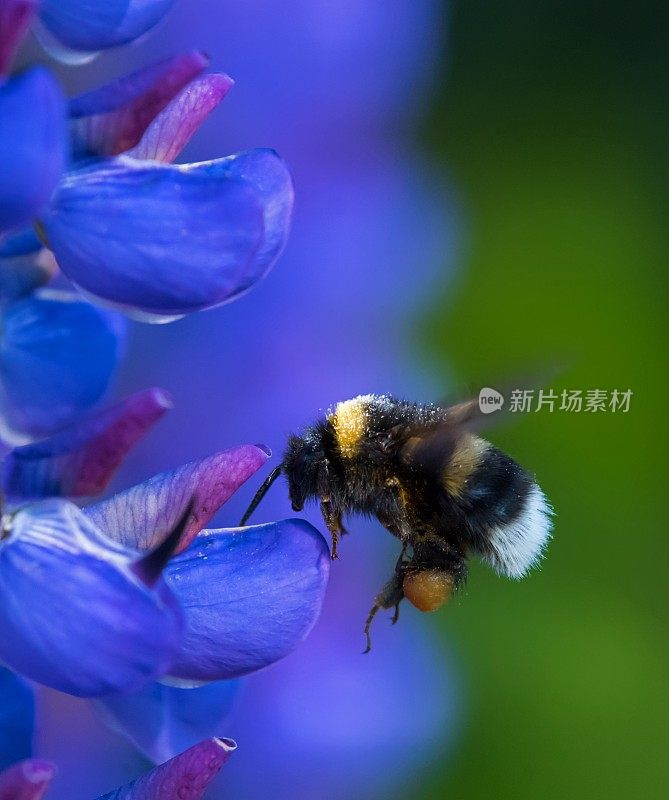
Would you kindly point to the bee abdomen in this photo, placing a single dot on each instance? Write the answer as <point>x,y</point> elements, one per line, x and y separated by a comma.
<point>518,545</point>
<point>508,518</point>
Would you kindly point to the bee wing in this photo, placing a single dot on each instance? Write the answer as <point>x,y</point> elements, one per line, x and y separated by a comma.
<point>428,447</point>
<point>466,415</point>
<point>468,411</point>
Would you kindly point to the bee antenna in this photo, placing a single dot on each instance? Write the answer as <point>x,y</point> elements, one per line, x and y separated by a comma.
<point>262,491</point>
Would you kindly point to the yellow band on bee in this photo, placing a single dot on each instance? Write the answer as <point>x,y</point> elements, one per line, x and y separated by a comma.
<point>349,421</point>
<point>463,463</point>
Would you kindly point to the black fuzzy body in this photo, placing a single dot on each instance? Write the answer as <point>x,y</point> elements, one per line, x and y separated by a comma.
<point>417,469</point>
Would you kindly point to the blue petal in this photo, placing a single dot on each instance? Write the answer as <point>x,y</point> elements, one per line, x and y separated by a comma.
<point>165,240</point>
<point>165,720</point>
<point>57,357</point>
<point>17,718</point>
<point>32,145</point>
<point>73,614</point>
<point>79,461</point>
<point>249,596</point>
<point>94,25</point>
<point>273,183</point>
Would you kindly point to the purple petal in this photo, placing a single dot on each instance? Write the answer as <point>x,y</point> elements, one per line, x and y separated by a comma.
<point>72,614</point>
<point>17,718</point>
<point>141,516</point>
<point>15,16</point>
<point>184,777</point>
<point>173,128</point>
<point>165,720</point>
<point>32,145</point>
<point>94,25</point>
<point>27,780</point>
<point>157,239</point>
<point>58,355</point>
<point>249,596</point>
<point>80,460</point>
<point>112,119</point>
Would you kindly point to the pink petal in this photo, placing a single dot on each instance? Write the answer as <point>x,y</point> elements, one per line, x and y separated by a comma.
<point>15,16</point>
<point>80,460</point>
<point>112,119</point>
<point>142,516</point>
<point>172,129</point>
<point>184,777</point>
<point>27,780</point>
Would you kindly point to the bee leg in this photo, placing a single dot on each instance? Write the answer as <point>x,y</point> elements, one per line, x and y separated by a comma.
<point>403,560</point>
<point>368,624</point>
<point>335,540</point>
<point>435,541</point>
<point>333,523</point>
<point>390,596</point>
<point>331,515</point>
<point>396,614</point>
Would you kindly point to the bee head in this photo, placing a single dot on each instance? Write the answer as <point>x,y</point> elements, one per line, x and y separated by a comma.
<point>302,465</point>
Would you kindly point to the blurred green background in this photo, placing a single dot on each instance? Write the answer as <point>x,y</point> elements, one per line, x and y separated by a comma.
<point>553,123</point>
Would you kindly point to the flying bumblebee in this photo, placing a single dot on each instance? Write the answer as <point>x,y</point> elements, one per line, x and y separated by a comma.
<point>430,480</point>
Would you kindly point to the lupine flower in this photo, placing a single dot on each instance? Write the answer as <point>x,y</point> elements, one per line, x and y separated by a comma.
<point>232,601</point>
<point>33,134</point>
<point>155,239</point>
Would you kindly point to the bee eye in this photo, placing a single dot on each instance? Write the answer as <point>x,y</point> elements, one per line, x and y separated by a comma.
<point>429,589</point>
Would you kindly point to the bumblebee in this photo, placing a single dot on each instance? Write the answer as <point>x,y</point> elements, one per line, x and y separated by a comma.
<point>430,480</point>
